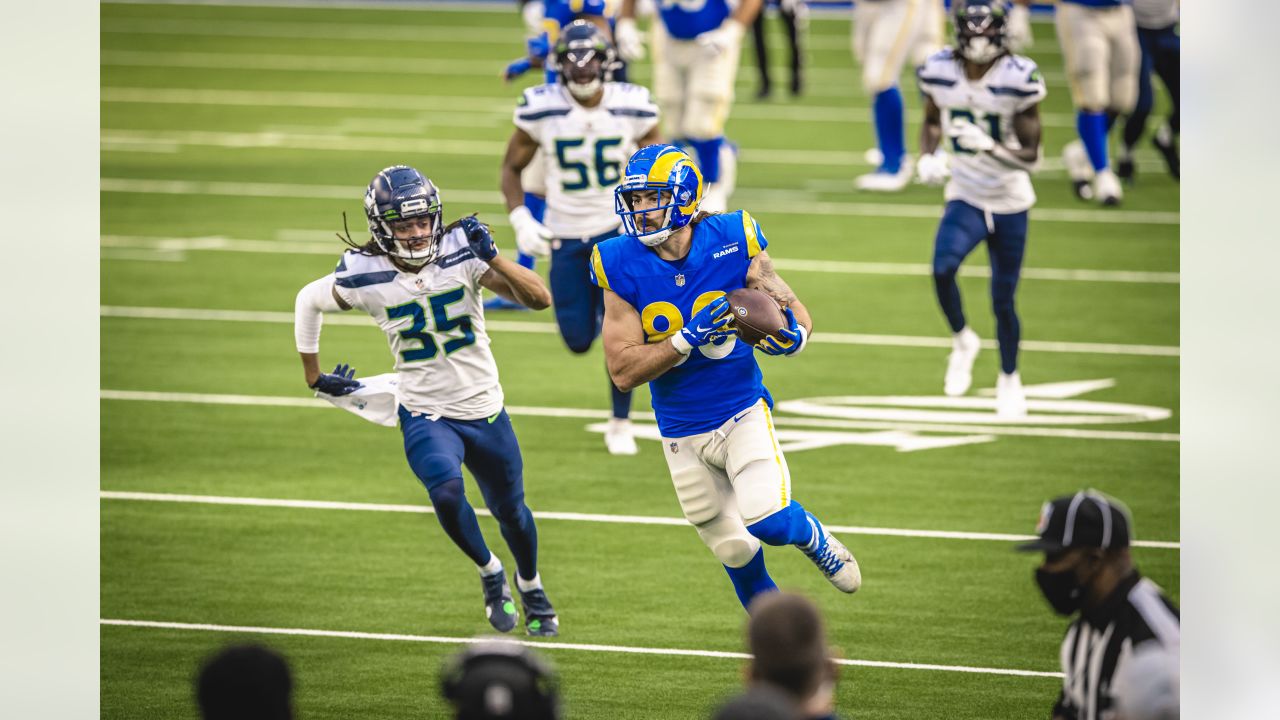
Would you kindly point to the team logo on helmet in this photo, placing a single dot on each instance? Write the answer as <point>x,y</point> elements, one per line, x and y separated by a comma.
<point>678,183</point>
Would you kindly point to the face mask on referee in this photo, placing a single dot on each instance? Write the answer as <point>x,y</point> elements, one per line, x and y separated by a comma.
<point>1064,587</point>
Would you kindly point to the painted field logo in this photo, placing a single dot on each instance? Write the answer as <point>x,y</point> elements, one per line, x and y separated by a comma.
<point>909,423</point>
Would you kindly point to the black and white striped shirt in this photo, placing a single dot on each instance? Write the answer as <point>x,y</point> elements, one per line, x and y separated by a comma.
<point>1104,638</point>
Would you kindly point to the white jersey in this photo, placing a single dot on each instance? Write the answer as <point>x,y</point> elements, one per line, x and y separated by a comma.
<point>586,150</point>
<point>434,322</point>
<point>1009,87</point>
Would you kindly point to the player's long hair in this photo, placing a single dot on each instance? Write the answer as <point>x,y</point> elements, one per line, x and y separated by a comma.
<point>702,215</point>
<point>371,247</point>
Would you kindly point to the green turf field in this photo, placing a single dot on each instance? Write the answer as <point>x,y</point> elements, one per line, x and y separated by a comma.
<point>232,140</point>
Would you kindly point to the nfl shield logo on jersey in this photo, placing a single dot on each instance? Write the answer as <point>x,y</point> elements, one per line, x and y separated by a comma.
<point>680,281</point>
<point>675,448</point>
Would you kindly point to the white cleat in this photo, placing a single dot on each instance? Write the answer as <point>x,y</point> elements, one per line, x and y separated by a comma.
<point>964,350</point>
<point>619,438</point>
<point>888,182</point>
<point>1076,160</point>
<point>1011,400</point>
<point>836,562</point>
<point>1106,188</point>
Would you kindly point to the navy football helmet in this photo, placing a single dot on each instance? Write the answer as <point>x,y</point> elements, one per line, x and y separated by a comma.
<point>677,179</point>
<point>401,193</point>
<point>980,29</point>
<point>583,57</point>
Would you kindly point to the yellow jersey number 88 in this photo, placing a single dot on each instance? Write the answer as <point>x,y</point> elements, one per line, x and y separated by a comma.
<point>668,315</point>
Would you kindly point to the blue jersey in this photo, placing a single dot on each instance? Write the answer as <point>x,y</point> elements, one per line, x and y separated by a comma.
<point>687,19</point>
<point>703,391</point>
<point>556,14</point>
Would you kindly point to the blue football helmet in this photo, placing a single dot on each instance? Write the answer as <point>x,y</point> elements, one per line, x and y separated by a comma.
<point>398,193</point>
<point>980,29</point>
<point>583,56</point>
<point>677,179</point>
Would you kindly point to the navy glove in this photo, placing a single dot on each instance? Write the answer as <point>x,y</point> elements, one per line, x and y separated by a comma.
<point>794,335</point>
<point>707,325</point>
<point>478,237</point>
<point>342,381</point>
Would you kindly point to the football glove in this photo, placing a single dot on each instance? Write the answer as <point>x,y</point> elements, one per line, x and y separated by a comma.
<point>532,237</point>
<point>479,239</point>
<point>722,39</point>
<point>627,37</point>
<point>931,169</point>
<point>794,334</point>
<point>342,381</point>
<point>707,325</point>
<point>516,69</point>
<point>970,137</point>
<point>1018,28</point>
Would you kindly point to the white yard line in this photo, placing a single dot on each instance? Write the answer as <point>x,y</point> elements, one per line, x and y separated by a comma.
<point>282,317</point>
<point>546,645</point>
<point>447,105</point>
<point>567,516</point>
<point>932,211</point>
<point>588,414</point>
<point>329,247</point>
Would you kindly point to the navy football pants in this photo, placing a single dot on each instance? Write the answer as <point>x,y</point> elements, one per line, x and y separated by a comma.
<point>437,450</point>
<point>963,227</point>
<point>1161,52</point>
<point>579,304</point>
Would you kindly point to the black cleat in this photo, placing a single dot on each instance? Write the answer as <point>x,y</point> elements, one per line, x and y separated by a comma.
<point>498,605</point>
<point>1083,189</point>
<point>539,617</point>
<point>1126,170</point>
<point>1164,142</point>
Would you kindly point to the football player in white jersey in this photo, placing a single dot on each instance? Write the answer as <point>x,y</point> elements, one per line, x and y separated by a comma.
<point>696,47</point>
<point>586,128</point>
<point>986,100</point>
<point>420,282</point>
<point>885,34</point>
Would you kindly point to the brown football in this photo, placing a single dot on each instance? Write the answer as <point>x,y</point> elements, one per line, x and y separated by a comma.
<point>755,314</point>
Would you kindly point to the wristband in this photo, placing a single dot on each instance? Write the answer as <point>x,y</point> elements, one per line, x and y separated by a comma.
<point>681,344</point>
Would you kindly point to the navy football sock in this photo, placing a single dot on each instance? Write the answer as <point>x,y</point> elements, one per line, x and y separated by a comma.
<point>520,532</point>
<point>751,579</point>
<point>708,157</point>
<point>458,519</point>
<point>890,130</point>
<point>621,401</point>
<point>948,291</point>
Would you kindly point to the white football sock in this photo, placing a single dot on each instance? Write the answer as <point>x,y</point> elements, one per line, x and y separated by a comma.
<point>493,567</point>
<point>527,585</point>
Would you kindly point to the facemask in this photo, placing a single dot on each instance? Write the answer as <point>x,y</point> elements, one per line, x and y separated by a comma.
<point>584,91</point>
<point>980,50</point>
<point>1061,589</point>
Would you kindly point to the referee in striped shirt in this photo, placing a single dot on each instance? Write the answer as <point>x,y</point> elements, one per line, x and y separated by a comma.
<point>1120,655</point>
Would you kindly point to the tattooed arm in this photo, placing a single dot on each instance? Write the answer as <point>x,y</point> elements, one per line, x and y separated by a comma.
<point>762,276</point>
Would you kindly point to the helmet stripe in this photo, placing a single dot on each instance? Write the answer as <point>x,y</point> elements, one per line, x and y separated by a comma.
<point>660,172</point>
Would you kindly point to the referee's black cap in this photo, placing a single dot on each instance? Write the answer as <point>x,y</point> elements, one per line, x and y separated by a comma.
<point>1087,519</point>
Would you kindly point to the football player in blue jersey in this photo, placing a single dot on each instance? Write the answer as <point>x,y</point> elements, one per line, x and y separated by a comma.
<point>667,322</point>
<point>696,46</point>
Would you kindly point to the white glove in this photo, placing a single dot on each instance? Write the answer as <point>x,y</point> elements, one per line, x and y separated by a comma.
<point>1019,28</point>
<point>532,237</point>
<point>722,39</point>
<point>532,13</point>
<point>970,137</point>
<point>932,169</point>
<point>627,37</point>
